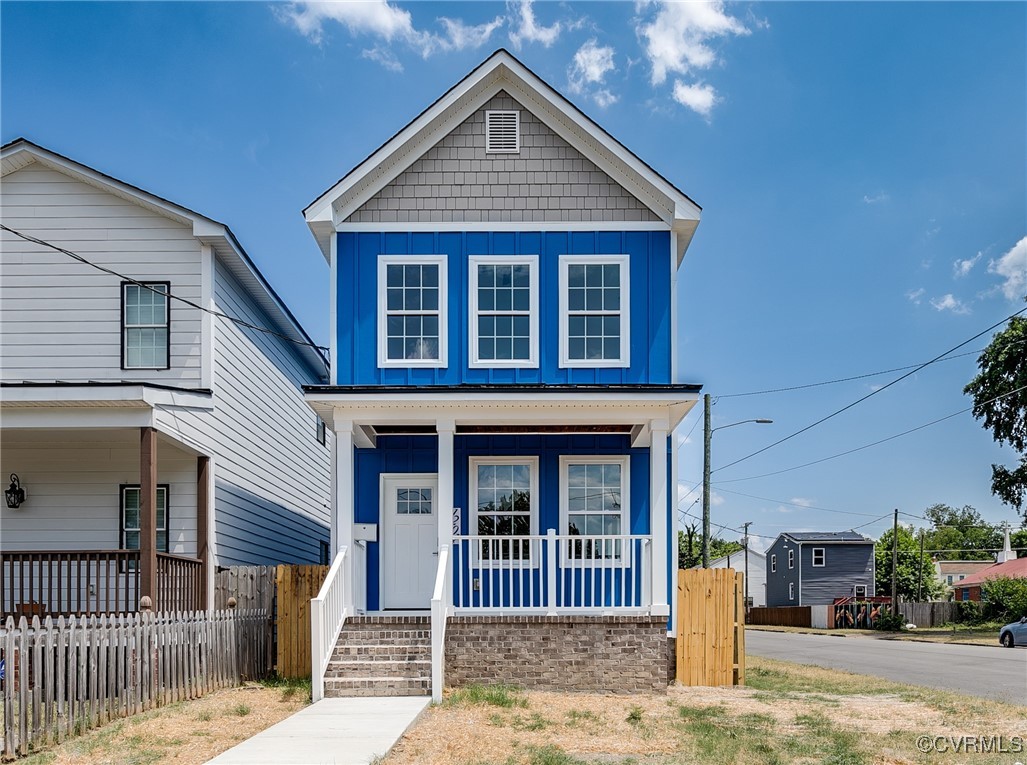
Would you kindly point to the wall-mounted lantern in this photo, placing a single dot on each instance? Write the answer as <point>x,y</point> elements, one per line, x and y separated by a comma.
<point>15,495</point>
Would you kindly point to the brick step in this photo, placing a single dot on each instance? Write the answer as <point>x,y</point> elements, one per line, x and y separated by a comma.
<point>377,686</point>
<point>384,636</point>
<point>405,620</point>
<point>408,670</point>
<point>358,651</point>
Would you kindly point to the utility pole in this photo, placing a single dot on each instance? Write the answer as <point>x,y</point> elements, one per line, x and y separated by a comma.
<point>920,578</point>
<point>895,564</point>
<point>745,552</point>
<point>707,437</point>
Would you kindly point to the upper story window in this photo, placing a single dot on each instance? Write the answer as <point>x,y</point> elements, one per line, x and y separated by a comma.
<point>791,559</point>
<point>819,556</point>
<point>145,325</point>
<point>773,564</point>
<point>504,311</point>
<point>502,132</point>
<point>411,311</point>
<point>594,311</point>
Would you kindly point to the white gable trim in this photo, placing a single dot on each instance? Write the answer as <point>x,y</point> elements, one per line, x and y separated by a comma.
<point>501,72</point>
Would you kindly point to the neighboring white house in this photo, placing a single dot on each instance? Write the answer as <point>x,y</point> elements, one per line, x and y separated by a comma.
<point>134,419</point>
<point>756,573</point>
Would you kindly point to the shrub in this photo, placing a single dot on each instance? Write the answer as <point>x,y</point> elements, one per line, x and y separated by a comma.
<point>890,622</point>
<point>1005,598</point>
<point>969,612</point>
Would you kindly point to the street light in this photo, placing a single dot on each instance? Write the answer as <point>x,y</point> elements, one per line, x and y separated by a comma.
<point>707,437</point>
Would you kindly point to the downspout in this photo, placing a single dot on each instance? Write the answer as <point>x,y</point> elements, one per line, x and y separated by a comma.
<point>800,573</point>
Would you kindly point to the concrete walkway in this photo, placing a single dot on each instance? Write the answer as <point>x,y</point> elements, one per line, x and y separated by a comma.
<point>350,731</point>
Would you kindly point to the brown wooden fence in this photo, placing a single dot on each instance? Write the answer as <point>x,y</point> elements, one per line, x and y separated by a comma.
<point>711,627</point>
<point>296,585</point>
<point>929,614</point>
<point>781,616</point>
<point>253,588</point>
<point>65,676</point>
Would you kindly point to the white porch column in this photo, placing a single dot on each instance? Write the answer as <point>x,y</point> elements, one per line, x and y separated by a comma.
<point>342,485</point>
<point>444,500</point>
<point>658,514</point>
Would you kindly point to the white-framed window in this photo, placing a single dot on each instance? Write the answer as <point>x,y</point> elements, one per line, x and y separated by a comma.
<point>594,494</point>
<point>503,310</point>
<point>950,578</point>
<point>962,577</point>
<point>145,325</point>
<point>773,564</point>
<point>504,502</point>
<point>791,559</point>
<point>819,556</point>
<point>791,590</point>
<point>131,499</point>
<point>860,590</point>
<point>502,131</point>
<point>594,311</point>
<point>412,311</point>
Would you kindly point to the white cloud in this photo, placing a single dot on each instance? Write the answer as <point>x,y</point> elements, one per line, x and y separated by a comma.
<point>915,295</point>
<point>961,268</point>
<point>875,199</point>
<point>588,70</point>
<point>698,98</point>
<point>386,23</point>
<point>678,37</point>
<point>522,14</point>
<point>1012,267</point>
<point>801,501</point>
<point>950,303</point>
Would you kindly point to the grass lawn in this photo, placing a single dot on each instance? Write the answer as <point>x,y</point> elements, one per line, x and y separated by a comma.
<point>789,713</point>
<point>185,733</point>
<point>986,634</point>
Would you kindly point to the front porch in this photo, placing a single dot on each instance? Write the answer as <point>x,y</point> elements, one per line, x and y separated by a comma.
<point>111,515</point>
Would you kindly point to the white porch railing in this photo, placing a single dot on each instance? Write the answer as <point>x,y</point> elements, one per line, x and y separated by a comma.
<point>553,574</point>
<point>441,607</point>
<point>328,612</point>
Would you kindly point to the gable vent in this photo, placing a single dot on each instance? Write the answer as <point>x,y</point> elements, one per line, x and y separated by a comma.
<point>502,132</point>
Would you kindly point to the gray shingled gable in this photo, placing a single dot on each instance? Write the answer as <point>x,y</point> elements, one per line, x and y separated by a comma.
<point>548,180</point>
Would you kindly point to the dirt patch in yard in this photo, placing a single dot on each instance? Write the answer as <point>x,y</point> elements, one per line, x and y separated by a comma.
<point>790,713</point>
<point>186,733</point>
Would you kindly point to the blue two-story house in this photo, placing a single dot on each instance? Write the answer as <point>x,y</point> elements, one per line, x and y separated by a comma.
<point>504,384</point>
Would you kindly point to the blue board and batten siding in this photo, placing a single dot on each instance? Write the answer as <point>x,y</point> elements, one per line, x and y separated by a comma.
<point>649,254</point>
<point>419,454</point>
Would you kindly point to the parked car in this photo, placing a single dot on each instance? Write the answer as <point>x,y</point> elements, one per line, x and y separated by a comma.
<point>1014,633</point>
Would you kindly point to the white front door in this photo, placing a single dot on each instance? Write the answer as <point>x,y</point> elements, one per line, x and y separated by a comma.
<point>410,532</point>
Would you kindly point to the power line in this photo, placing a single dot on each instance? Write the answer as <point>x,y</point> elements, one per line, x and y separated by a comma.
<point>186,301</point>
<point>794,504</point>
<point>873,392</point>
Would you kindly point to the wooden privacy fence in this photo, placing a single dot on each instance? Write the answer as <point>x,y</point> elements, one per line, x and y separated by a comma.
<point>781,616</point>
<point>296,585</point>
<point>253,588</point>
<point>929,614</point>
<point>65,676</point>
<point>711,627</point>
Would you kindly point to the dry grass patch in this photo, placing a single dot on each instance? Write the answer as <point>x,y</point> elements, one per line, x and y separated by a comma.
<point>186,733</point>
<point>788,714</point>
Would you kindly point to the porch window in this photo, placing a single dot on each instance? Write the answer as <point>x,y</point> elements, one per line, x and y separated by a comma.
<point>594,295</point>
<point>411,311</point>
<point>145,325</point>
<point>504,495</point>
<point>131,496</point>
<point>504,311</point>
<point>593,504</point>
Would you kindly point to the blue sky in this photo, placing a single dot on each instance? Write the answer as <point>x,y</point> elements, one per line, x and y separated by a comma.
<point>861,167</point>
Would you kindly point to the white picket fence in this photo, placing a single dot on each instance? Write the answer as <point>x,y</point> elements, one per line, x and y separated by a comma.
<point>65,676</point>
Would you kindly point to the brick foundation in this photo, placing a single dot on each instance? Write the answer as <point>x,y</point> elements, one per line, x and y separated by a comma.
<point>619,654</point>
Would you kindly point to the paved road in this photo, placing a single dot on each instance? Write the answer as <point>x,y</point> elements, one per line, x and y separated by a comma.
<point>996,673</point>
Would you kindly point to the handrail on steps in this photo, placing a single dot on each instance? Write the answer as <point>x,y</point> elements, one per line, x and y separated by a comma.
<point>441,599</point>
<point>328,612</point>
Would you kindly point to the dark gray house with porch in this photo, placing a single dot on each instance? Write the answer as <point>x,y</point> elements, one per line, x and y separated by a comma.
<point>810,568</point>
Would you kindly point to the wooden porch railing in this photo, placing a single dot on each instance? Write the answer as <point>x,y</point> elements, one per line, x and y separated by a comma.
<point>54,582</point>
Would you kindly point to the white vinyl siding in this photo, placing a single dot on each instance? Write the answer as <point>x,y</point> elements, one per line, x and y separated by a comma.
<point>504,311</point>
<point>61,318</point>
<point>594,311</point>
<point>412,308</point>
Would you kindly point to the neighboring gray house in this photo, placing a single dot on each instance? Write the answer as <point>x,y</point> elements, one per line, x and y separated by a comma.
<point>154,440</point>
<point>811,568</point>
<point>757,573</point>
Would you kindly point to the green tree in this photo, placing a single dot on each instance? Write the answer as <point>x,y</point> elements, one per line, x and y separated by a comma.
<point>1000,400</point>
<point>960,534</point>
<point>1005,598</point>
<point>916,577</point>
<point>690,547</point>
